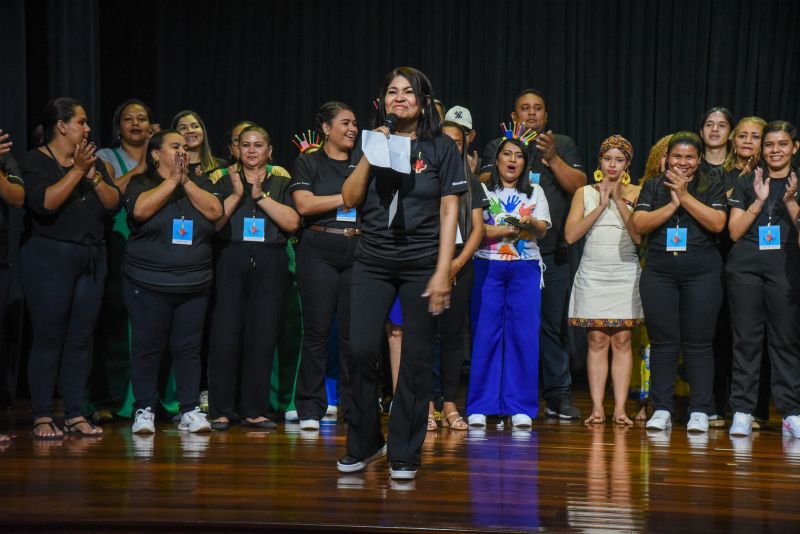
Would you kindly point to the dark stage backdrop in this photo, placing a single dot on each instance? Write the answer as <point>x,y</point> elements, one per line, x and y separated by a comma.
<point>639,68</point>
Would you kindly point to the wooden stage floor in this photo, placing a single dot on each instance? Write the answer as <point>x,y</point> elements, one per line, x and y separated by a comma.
<point>563,477</point>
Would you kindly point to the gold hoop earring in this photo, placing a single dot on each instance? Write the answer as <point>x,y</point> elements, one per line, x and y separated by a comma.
<point>598,175</point>
<point>626,178</point>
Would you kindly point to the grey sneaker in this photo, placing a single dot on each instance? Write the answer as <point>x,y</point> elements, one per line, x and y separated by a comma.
<point>194,421</point>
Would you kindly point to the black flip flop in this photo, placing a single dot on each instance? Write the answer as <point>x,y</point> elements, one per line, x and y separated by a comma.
<point>72,428</point>
<point>52,426</point>
<point>260,424</point>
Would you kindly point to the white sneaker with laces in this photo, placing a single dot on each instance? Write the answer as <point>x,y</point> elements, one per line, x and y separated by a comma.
<point>660,420</point>
<point>791,426</point>
<point>477,419</point>
<point>742,424</point>
<point>332,410</point>
<point>521,420</point>
<point>309,424</point>
<point>194,421</point>
<point>144,422</point>
<point>698,422</point>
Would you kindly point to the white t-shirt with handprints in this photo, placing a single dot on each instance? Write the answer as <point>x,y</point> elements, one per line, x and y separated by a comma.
<point>508,202</point>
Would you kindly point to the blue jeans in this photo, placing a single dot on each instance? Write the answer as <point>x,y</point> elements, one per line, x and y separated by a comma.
<point>556,380</point>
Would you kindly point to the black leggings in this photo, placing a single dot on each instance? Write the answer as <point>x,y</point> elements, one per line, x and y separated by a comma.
<point>764,293</point>
<point>251,286</point>
<point>324,269</point>
<point>681,296</point>
<point>161,321</point>
<point>451,328</point>
<point>63,285</point>
<point>375,284</point>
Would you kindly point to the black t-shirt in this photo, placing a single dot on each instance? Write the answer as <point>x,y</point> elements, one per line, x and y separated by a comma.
<point>277,187</point>
<point>558,199</point>
<point>773,209</point>
<point>80,218</point>
<point>709,168</point>
<point>436,171</point>
<point>323,176</point>
<point>14,177</point>
<point>655,195</point>
<point>151,258</point>
<point>478,200</point>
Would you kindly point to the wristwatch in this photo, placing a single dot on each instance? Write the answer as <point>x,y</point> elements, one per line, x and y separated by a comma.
<point>261,197</point>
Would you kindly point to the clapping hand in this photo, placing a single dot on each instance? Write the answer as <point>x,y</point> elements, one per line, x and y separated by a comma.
<point>236,180</point>
<point>791,188</point>
<point>5,144</point>
<point>761,185</point>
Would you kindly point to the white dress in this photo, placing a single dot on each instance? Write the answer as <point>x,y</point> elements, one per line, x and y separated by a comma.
<point>605,293</point>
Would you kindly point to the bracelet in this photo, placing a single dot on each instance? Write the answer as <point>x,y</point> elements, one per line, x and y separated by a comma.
<point>753,211</point>
<point>96,180</point>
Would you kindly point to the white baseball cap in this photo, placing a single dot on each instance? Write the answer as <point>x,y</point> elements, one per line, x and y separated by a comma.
<point>459,115</point>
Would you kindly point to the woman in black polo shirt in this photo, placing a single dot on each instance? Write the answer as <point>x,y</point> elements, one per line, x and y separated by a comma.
<point>325,259</point>
<point>681,212</point>
<point>763,275</point>
<point>68,196</point>
<point>251,283</point>
<point>167,275</point>
<point>406,246</point>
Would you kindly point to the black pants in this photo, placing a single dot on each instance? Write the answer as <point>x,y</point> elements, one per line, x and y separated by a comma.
<point>451,328</point>
<point>681,295</point>
<point>324,269</point>
<point>553,359</point>
<point>161,321</point>
<point>63,285</point>
<point>374,287</point>
<point>250,294</point>
<point>764,293</point>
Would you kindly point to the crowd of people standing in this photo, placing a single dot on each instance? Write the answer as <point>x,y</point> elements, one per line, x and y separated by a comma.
<point>703,254</point>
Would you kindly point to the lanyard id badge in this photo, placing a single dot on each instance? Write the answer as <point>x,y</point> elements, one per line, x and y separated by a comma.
<point>769,237</point>
<point>676,239</point>
<point>345,215</point>
<point>182,231</point>
<point>253,229</point>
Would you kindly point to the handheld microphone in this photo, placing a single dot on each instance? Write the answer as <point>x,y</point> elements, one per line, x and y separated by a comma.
<point>390,122</point>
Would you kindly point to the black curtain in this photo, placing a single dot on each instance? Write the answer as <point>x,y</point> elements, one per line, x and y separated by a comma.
<point>642,69</point>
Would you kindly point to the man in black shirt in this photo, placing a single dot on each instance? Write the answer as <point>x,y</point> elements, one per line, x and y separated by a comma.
<point>555,166</point>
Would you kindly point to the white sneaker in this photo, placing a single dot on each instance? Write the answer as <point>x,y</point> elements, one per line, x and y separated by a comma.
<point>194,421</point>
<point>203,400</point>
<point>309,424</point>
<point>521,420</point>
<point>144,422</point>
<point>477,419</point>
<point>291,416</point>
<point>742,424</point>
<point>698,422</point>
<point>791,426</point>
<point>660,420</point>
<point>332,410</point>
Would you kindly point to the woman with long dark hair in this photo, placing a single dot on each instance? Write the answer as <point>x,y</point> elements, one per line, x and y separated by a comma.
<point>325,259</point>
<point>63,260</point>
<point>505,308</point>
<point>167,276</point>
<point>406,246</point>
<point>251,269</point>
<point>715,130</point>
<point>680,212</point>
<point>763,275</point>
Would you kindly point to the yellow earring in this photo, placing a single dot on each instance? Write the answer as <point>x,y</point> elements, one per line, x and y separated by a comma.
<point>626,178</point>
<point>598,175</point>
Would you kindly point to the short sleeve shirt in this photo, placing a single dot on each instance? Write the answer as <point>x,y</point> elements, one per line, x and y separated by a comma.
<point>508,202</point>
<point>119,160</point>
<point>539,173</point>
<point>151,258</point>
<point>655,195</point>
<point>773,212</point>
<point>14,177</point>
<point>277,187</point>
<point>80,218</point>
<point>412,200</point>
<point>322,176</point>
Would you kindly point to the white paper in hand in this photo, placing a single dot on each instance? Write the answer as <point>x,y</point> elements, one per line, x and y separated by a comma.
<point>394,153</point>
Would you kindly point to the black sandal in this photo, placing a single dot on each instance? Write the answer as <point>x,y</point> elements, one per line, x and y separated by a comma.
<point>52,426</point>
<point>72,428</point>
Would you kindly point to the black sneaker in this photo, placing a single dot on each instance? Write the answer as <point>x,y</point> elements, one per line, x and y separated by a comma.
<point>403,471</point>
<point>351,464</point>
<point>562,408</point>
